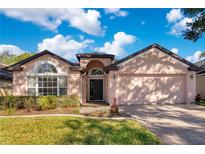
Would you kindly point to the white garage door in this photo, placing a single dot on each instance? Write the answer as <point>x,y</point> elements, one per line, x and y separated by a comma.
<point>146,89</point>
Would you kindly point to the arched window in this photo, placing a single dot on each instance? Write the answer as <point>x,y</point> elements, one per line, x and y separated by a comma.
<point>47,68</point>
<point>96,71</point>
<point>47,82</point>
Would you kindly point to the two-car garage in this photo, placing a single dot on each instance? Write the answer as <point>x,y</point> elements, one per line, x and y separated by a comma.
<point>146,89</point>
<point>153,75</point>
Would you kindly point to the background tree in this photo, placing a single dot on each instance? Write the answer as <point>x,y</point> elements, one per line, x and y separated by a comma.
<point>7,58</point>
<point>196,29</point>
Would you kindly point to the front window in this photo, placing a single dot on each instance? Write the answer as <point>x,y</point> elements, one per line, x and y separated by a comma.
<point>47,86</point>
<point>44,84</point>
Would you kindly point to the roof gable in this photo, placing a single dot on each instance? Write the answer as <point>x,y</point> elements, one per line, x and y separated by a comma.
<point>115,65</point>
<point>18,64</point>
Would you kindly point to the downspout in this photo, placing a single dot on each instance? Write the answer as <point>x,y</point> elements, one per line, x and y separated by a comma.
<point>106,74</point>
<point>81,85</point>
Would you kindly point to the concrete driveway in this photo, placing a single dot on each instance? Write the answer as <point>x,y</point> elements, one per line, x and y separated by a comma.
<point>174,124</point>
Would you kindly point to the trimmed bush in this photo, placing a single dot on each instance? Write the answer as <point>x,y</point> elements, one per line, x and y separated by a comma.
<point>11,103</point>
<point>47,102</point>
<point>24,102</point>
<point>68,101</point>
<point>8,104</point>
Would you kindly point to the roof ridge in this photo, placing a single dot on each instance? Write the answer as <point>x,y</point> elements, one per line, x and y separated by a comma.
<point>38,55</point>
<point>193,66</point>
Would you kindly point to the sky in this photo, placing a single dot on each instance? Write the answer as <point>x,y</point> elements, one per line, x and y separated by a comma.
<point>121,32</point>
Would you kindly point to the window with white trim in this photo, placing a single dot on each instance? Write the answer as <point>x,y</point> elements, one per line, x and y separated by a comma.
<point>47,68</point>
<point>45,84</point>
<point>62,85</point>
<point>96,71</point>
<point>31,86</point>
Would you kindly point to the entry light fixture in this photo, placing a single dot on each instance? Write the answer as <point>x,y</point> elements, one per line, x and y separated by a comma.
<point>114,76</point>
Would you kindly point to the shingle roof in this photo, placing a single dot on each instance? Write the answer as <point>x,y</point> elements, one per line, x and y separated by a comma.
<point>200,63</point>
<point>18,64</point>
<point>191,66</point>
<point>2,65</point>
<point>201,72</point>
<point>95,55</point>
<point>4,74</point>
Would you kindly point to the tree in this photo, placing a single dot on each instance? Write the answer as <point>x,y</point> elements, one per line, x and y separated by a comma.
<point>196,29</point>
<point>202,55</point>
<point>8,58</point>
<point>23,56</point>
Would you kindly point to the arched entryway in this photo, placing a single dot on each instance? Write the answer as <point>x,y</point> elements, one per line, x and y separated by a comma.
<point>94,82</point>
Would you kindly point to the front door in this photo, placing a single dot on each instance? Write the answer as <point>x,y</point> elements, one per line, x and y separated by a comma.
<point>96,89</point>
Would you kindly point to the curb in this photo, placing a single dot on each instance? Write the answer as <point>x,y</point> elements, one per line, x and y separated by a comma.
<point>67,115</point>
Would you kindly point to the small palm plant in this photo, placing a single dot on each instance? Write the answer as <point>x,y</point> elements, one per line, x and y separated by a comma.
<point>114,107</point>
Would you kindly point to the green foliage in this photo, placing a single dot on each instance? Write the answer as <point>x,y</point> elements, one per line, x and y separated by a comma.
<point>12,103</point>
<point>25,102</point>
<point>197,27</point>
<point>73,130</point>
<point>8,104</point>
<point>8,58</point>
<point>23,56</point>
<point>202,102</point>
<point>46,102</point>
<point>202,55</point>
<point>66,101</point>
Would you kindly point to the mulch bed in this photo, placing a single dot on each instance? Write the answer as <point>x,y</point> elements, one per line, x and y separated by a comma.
<point>86,110</point>
<point>68,110</point>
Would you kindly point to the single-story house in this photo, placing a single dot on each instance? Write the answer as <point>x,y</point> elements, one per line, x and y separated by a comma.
<point>151,75</point>
<point>200,79</point>
<point>5,81</point>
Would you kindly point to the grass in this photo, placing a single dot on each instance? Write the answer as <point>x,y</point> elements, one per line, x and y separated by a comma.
<point>73,130</point>
<point>202,102</point>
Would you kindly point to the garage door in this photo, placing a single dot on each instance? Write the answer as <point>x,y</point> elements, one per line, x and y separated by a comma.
<point>146,89</point>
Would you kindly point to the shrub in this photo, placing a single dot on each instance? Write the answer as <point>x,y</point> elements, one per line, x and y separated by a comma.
<point>68,101</point>
<point>30,103</point>
<point>11,103</point>
<point>8,104</point>
<point>25,102</point>
<point>47,102</point>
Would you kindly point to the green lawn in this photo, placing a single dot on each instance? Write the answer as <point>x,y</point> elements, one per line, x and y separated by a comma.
<point>202,102</point>
<point>72,130</point>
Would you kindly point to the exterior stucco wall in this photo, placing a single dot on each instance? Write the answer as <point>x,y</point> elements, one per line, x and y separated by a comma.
<point>74,83</point>
<point>5,87</point>
<point>200,85</point>
<point>191,86</point>
<point>20,78</point>
<point>161,75</point>
<point>152,62</point>
<point>113,89</point>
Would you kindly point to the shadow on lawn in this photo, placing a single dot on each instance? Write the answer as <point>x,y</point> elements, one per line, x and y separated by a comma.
<point>92,132</point>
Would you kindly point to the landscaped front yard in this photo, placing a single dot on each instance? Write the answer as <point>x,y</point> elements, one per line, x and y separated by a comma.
<point>73,130</point>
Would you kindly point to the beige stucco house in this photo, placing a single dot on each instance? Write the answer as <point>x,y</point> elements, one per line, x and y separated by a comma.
<point>5,81</point>
<point>151,75</point>
<point>200,79</point>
